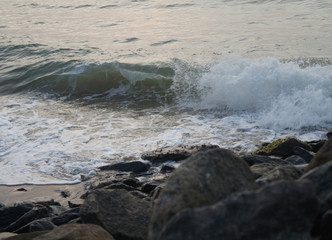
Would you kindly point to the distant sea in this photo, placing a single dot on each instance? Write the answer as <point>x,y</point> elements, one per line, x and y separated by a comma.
<point>88,83</point>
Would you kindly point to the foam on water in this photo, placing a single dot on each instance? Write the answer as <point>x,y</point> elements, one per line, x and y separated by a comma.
<point>277,94</point>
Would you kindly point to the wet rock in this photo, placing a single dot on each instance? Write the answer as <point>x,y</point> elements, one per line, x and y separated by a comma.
<point>21,190</point>
<point>119,212</point>
<point>9,215</point>
<point>66,217</point>
<point>295,160</point>
<point>306,155</point>
<point>284,210</point>
<point>175,153</point>
<point>316,145</point>
<point>253,159</point>
<point>132,182</point>
<point>285,172</point>
<point>37,225</point>
<point>120,186</point>
<point>167,169</point>
<point>203,179</point>
<point>323,156</point>
<point>329,135</point>
<point>37,212</point>
<point>68,231</point>
<point>134,166</point>
<point>282,147</point>
<point>321,178</point>
<point>148,187</point>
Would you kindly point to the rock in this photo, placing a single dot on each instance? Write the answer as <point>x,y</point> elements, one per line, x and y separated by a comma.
<point>306,155</point>
<point>203,179</point>
<point>284,172</point>
<point>65,194</point>
<point>283,210</point>
<point>295,160</point>
<point>9,215</point>
<point>37,225</point>
<point>282,147</point>
<point>21,190</point>
<point>120,186</point>
<point>37,212</point>
<point>329,135</point>
<point>253,159</point>
<point>326,226</point>
<point>132,182</point>
<point>119,212</point>
<point>321,178</point>
<point>68,231</point>
<point>167,169</point>
<point>66,216</point>
<point>148,187</point>
<point>316,145</point>
<point>175,154</point>
<point>323,156</point>
<point>134,166</point>
<point>2,205</point>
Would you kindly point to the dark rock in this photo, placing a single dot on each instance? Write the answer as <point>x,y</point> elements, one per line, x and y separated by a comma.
<point>323,156</point>
<point>167,169</point>
<point>295,160</point>
<point>306,155</point>
<point>326,226</point>
<point>329,135</point>
<point>284,210</point>
<point>135,167</point>
<point>119,212</point>
<point>37,212</point>
<point>175,153</point>
<point>68,231</point>
<point>316,145</point>
<point>73,205</point>
<point>321,178</point>
<point>253,159</point>
<point>203,179</point>
<point>66,216</point>
<point>37,225</point>
<point>21,190</point>
<point>282,148</point>
<point>148,187</point>
<point>120,186</point>
<point>138,194</point>
<point>285,172</point>
<point>9,215</point>
<point>65,194</point>
<point>2,205</point>
<point>132,182</point>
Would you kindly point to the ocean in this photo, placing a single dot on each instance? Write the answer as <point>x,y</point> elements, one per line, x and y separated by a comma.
<point>88,83</point>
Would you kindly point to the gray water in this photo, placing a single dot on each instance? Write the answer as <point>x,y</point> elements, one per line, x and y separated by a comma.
<point>86,83</point>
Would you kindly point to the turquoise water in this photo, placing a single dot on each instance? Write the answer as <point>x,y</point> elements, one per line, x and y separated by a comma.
<point>85,83</point>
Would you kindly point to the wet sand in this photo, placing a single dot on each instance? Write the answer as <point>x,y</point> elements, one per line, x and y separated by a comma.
<point>10,195</point>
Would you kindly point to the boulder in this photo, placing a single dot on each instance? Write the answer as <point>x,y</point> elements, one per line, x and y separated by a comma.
<point>284,172</point>
<point>37,212</point>
<point>282,147</point>
<point>295,160</point>
<point>123,215</point>
<point>323,156</point>
<point>321,178</point>
<point>283,210</point>
<point>68,232</point>
<point>9,215</point>
<point>175,153</point>
<point>66,216</point>
<point>134,166</point>
<point>203,179</point>
<point>316,145</point>
<point>37,225</point>
<point>253,159</point>
<point>167,169</point>
<point>303,153</point>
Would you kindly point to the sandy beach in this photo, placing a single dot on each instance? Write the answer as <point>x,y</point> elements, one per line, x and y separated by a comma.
<point>10,195</point>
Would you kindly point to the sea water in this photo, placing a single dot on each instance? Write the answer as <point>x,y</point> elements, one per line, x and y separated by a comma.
<point>89,83</point>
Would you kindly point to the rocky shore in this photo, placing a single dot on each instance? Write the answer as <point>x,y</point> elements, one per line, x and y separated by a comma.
<point>283,190</point>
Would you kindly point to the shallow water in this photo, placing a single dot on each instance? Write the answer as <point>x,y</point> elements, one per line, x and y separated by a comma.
<point>83,84</point>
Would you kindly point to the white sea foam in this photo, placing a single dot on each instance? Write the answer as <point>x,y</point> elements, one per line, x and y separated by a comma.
<point>280,95</point>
